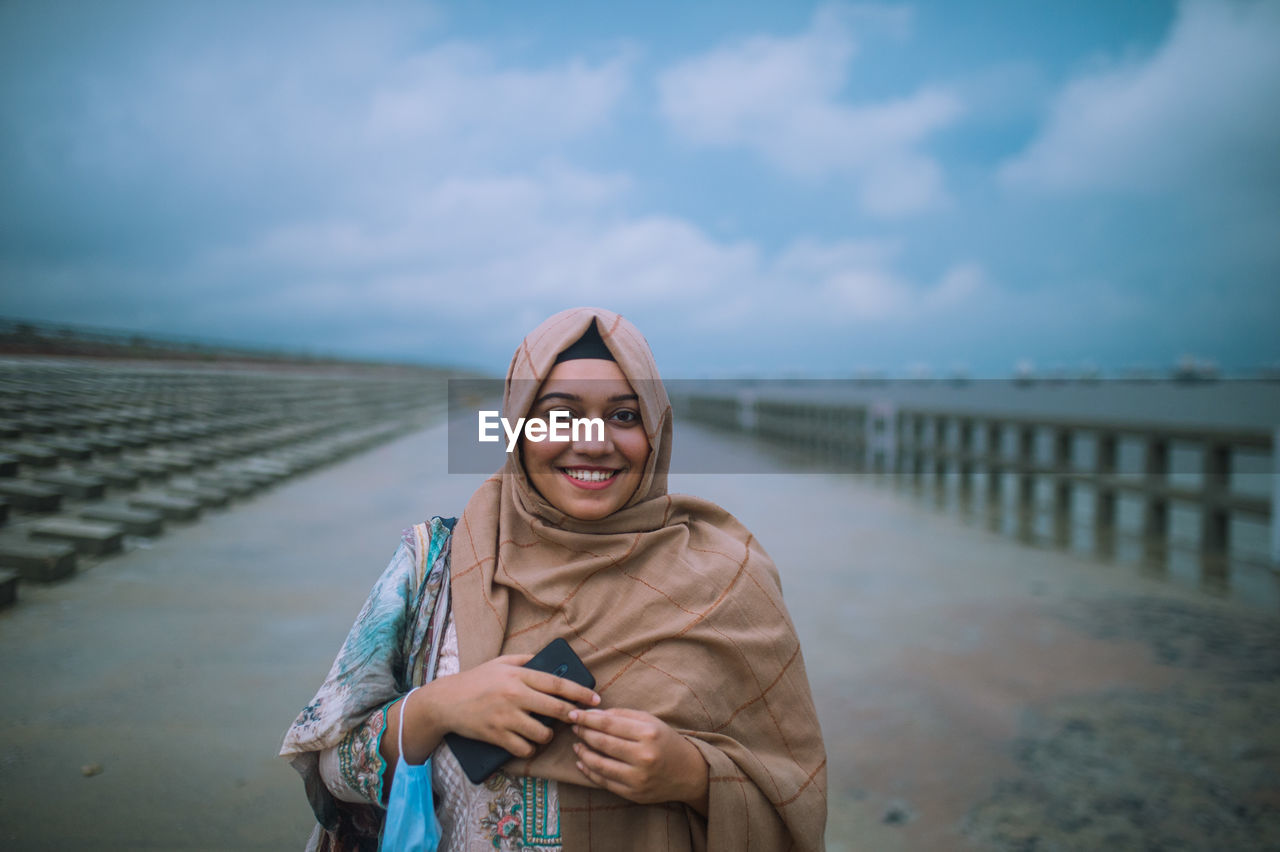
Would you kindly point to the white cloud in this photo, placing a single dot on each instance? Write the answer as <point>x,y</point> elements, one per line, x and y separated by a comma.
<point>346,112</point>
<point>781,98</point>
<point>415,200</point>
<point>477,262</point>
<point>485,254</point>
<point>856,282</point>
<point>1201,112</point>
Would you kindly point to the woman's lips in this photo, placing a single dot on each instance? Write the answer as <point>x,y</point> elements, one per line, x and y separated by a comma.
<point>594,483</point>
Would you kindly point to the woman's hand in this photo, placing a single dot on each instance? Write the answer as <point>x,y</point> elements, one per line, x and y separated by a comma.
<point>493,702</point>
<point>639,757</point>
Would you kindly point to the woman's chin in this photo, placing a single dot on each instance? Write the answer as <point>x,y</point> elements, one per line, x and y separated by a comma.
<point>587,508</point>
<point>584,504</point>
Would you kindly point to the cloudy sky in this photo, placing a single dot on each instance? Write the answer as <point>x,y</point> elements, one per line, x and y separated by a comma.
<point>767,188</point>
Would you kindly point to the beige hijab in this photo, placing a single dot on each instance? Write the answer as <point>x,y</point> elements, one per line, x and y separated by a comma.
<point>673,606</point>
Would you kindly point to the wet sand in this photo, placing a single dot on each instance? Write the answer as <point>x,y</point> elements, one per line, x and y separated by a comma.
<point>974,693</point>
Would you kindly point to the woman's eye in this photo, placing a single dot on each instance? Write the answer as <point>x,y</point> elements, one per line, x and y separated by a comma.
<point>627,416</point>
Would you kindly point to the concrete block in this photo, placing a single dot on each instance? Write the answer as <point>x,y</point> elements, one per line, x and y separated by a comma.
<point>131,438</point>
<point>146,468</point>
<point>218,450</point>
<point>258,479</point>
<point>225,448</point>
<point>203,455</point>
<point>115,475</point>
<point>8,588</point>
<point>77,422</point>
<point>104,445</point>
<point>203,494</point>
<point>92,538</point>
<point>304,460</point>
<point>174,462</point>
<point>261,471</point>
<point>172,507</point>
<point>34,455</point>
<point>77,485</point>
<point>144,522</point>
<point>68,448</point>
<point>277,468</point>
<point>236,486</point>
<point>30,496</point>
<point>38,560</point>
<point>39,424</point>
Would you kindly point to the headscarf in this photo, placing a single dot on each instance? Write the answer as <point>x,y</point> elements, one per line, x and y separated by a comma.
<point>673,606</point>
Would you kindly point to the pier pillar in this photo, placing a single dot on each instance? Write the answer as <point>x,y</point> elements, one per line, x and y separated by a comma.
<point>966,460</point>
<point>939,449</point>
<point>1104,504</point>
<point>1275,499</point>
<point>1214,518</point>
<point>746,410</point>
<point>1062,440</point>
<point>917,449</point>
<point>1155,527</point>
<point>881,431</point>
<point>1026,480</point>
<point>994,452</point>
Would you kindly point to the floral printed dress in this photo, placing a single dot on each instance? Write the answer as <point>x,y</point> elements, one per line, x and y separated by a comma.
<point>505,813</point>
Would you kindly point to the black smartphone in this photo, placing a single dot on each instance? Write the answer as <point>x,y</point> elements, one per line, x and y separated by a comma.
<point>480,759</point>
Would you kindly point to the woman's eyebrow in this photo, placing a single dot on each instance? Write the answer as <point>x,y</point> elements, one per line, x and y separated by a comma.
<point>573,397</point>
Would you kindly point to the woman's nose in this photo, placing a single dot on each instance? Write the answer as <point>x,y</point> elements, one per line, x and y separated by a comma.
<point>594,445</point>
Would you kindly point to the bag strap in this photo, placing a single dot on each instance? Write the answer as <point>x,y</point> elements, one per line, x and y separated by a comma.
<point>440,620</point>
<point>422,548</point>
<point>404,705</point>
<point>440,613</point>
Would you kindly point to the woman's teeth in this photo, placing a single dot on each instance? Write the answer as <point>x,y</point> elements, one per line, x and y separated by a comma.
<point>589,475</point>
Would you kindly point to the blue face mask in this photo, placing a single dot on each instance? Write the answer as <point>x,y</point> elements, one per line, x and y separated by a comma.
<point>411,824</point>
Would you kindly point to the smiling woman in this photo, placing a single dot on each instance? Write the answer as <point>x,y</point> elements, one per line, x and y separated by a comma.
<point>589,479</point>
<point>701,733</point>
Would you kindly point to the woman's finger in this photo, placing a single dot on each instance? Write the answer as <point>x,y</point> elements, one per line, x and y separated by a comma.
<point>613,722</point>
<point>546,705</point>
<point>606,744</point>
<point>513,729</point>
<point>602,782</point>
<point>616,772</point>
<point>566,689</point>
<point>531,730</point>
<point>516,744</point>
<point>513,659</point>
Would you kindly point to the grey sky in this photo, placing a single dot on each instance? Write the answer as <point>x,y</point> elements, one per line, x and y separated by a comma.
<point>776,189</point>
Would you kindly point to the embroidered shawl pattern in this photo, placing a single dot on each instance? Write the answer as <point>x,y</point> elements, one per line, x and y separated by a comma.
<point>386,653</point>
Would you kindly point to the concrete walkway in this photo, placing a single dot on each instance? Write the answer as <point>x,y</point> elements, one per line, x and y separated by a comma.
<point>941,656</point>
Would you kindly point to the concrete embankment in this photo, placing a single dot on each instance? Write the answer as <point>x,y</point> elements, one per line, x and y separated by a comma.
<point>974,693</point>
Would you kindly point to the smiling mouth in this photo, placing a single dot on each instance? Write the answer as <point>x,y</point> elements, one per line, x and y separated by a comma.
<point>589,477</point>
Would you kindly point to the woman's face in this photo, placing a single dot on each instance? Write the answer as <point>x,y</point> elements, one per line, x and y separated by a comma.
<point>586,478</point>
